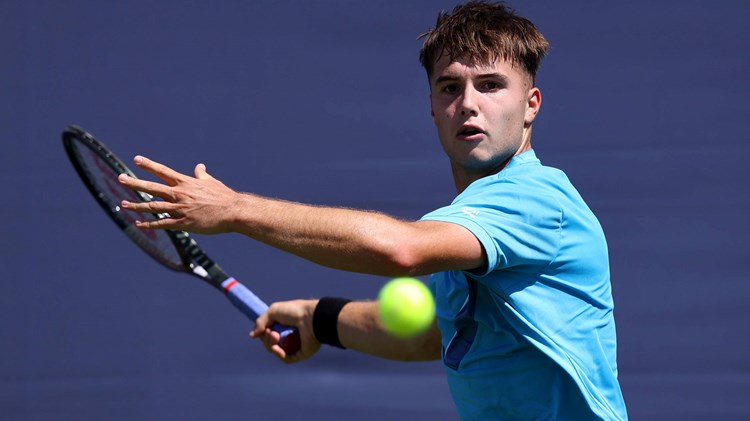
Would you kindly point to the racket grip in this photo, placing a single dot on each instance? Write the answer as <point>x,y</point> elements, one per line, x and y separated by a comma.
<point>252,306</point>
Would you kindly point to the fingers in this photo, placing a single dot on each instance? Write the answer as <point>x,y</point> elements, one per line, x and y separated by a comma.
<point>154,189</point>
<point>270,340</point>
<point>261,324</point>
<point>170,176</point>
<point>165,223</point>
<point>192,204</point>
<point>296,313</point>
<point>151,207</point>
<point>269,337</point>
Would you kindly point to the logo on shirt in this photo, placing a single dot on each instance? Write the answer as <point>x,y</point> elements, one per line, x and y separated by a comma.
<point>473,213</point>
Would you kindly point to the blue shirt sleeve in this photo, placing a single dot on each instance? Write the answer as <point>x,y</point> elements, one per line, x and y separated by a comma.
<point>514,227</point>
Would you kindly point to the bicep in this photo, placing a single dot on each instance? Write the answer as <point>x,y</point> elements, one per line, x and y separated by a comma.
<point>436,246</point>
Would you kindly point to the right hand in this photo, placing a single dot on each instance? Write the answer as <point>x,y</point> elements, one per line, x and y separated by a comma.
<point>200,204</point>
<point>297,314</point>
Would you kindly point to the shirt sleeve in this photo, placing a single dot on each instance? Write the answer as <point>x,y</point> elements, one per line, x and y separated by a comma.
<point>515,228</point>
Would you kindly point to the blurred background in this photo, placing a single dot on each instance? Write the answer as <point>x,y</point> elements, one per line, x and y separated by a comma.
<point>325,102</point>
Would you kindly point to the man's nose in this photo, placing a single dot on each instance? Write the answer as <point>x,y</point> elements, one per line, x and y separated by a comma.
<point>468,102</point>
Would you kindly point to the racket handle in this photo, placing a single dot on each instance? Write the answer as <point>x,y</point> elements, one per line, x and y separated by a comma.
<point>252,306</point>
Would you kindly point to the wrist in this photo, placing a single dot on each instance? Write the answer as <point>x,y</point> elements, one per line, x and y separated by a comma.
<point>240,212</point>
<point>325,320</point>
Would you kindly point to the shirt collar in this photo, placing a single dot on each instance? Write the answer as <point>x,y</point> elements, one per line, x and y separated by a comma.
<point>522,158</point>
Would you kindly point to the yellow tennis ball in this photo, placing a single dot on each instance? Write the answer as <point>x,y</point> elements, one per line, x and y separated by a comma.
<point>406,307</point>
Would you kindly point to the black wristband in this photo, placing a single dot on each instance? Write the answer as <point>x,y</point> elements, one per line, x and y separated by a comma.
<point>325,320</point>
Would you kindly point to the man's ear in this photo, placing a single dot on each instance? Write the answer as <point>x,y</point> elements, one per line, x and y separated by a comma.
<point>533,103</point>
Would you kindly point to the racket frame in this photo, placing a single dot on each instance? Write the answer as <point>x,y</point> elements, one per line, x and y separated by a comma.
<point>193,259</point>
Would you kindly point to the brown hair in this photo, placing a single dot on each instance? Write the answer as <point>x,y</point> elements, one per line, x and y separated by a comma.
<point>484,32</point>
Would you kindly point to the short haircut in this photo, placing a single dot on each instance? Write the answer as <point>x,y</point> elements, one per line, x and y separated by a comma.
<point>483,32</point>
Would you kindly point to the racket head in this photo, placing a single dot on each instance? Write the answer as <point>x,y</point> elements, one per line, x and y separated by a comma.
<point>99,168</point>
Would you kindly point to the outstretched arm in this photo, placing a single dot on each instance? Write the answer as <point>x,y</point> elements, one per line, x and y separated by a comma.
<point>358,327</point>
<point>348,239</point>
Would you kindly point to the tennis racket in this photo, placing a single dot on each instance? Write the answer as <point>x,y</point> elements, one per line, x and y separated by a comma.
<point>98,167</point>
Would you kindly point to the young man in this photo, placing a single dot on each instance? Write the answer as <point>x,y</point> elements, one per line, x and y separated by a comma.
<point>519,263</point>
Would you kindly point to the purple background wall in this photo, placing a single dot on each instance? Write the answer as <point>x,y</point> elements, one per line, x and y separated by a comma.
<point>644,108</point>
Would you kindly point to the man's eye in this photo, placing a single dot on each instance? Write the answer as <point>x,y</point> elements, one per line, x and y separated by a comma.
<point>450,89</point>
<point>491,86</point>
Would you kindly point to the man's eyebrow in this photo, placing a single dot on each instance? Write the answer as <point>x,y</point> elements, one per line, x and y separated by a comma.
<point>500,76</point>
<point>441,79</point>
<point>449,78</point>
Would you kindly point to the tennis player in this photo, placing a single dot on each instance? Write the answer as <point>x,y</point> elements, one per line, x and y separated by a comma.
<point>518,262</point>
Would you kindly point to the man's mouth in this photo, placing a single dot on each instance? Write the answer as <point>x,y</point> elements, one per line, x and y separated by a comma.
<point>469,132</point>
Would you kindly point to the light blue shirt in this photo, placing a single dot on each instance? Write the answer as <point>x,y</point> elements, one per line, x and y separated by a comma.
<point>532,335</point>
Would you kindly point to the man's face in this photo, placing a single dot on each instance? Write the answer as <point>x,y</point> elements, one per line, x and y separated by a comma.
<point>482,113</point>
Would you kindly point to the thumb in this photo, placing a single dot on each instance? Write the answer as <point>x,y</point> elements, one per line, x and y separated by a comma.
<point>200,172</point>
<point>261,324</point>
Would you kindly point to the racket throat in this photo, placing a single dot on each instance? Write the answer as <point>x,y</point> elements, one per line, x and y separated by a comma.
<point>199,270</point>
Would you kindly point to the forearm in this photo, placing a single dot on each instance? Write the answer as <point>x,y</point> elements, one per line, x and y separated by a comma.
<point>347,239</point>
<point>359,329</point>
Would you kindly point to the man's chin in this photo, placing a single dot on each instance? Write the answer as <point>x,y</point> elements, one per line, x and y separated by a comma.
<point>486,164</point>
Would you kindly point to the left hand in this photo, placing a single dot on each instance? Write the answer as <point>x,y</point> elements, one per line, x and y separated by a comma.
<point>200,204</point>
<point>297,314</point>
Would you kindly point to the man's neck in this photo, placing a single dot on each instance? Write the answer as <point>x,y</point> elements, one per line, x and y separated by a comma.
<point>463,178</point>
